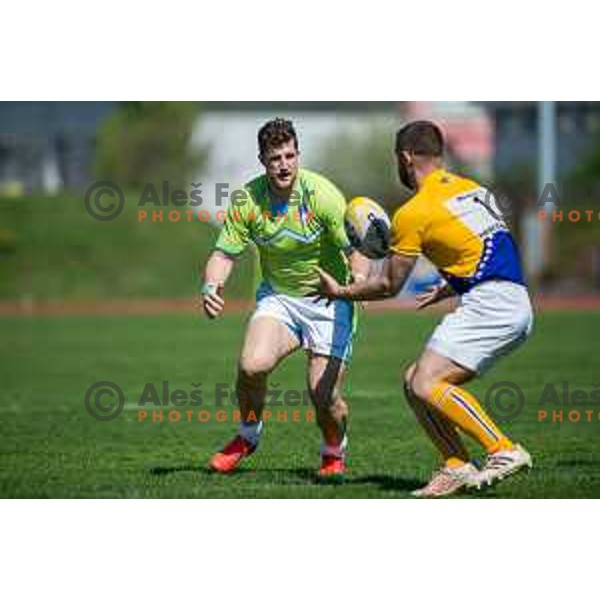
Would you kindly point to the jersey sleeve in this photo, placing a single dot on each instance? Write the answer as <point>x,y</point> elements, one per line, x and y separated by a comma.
<point>331,210</point>
<point>407,229</point>
<point>234,236</point>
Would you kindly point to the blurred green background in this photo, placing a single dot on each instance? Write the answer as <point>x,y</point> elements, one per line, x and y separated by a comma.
<point>50,153</point>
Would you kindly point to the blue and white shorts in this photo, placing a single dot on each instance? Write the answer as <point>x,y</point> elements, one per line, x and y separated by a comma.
<point>322,328</point>
<point>493,319</point>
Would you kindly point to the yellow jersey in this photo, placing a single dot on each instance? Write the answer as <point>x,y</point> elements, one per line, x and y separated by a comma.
<point>457,225</point>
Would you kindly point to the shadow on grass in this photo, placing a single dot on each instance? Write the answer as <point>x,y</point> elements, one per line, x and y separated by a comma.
<point>388,483</point>
<point>292,476</point>
<point>282,475</point>
<point>184,468</point>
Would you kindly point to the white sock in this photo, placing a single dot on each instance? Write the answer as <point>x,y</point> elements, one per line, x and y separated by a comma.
<point>251,431</point>
<point>337,451</point>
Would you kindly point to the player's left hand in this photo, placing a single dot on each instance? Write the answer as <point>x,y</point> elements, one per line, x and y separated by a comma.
<point>329,288</point>
<point>211,300</point>
<point>433,296</point>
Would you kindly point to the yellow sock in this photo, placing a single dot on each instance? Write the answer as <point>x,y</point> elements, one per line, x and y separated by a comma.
<point>440,431</point>
<point>454,462</point>
<point>463,409</point>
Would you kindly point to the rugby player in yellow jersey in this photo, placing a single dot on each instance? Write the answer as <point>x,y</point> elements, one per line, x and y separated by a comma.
<point>451,221</point>
<point>295,218</point>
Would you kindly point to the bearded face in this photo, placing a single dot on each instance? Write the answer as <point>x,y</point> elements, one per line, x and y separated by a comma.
<point>406,170</point>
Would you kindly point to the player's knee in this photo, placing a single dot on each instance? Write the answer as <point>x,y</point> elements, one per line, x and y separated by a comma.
<point>422,384</point>
<point>408,374</point>
<point>255,367</point>
<point>407,377</point>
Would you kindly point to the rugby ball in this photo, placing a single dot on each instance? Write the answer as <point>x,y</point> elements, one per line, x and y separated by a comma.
<point>368,228</point>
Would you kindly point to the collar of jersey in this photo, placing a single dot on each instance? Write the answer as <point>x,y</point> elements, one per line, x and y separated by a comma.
<point>433,176</point>
<point>282,208</point>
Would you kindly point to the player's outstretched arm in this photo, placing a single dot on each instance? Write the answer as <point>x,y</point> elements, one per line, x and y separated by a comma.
<point>388,284</point>
<point>217,272</point>
<point>359,265</point>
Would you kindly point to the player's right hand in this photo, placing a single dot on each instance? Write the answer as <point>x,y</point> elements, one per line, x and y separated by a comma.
<point>212,301</point>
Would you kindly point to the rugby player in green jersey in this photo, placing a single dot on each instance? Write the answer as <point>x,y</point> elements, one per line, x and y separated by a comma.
<point>295,218</point>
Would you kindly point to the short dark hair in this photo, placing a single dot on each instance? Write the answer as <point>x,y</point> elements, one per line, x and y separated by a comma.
<point>422,138</point>
<point>275,133</point>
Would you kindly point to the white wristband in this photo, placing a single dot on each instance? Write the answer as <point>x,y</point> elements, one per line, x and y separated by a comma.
<point>209,289</point>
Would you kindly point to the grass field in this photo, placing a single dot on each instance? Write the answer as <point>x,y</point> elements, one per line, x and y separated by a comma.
<point>51,447</point>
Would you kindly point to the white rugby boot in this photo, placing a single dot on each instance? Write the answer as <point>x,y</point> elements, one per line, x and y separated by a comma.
<point>501,465</point>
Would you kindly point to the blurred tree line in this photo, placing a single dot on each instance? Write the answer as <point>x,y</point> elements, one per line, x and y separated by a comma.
<point>145,142</point>
<point>571,250</point>
<point>576,246</point>
<point>361,162</point>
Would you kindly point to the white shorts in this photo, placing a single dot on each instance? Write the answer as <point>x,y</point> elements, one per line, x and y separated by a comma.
<point>493,319</point>
<point>322,329</point>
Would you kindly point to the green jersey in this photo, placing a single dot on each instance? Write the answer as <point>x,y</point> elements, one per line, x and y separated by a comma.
<point>292,239</point>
